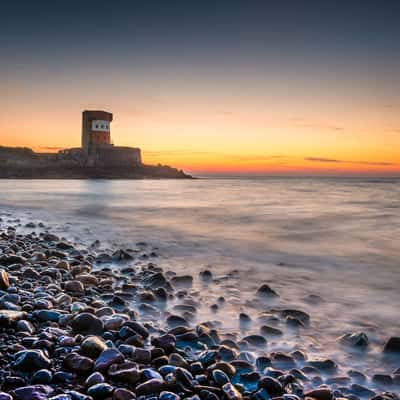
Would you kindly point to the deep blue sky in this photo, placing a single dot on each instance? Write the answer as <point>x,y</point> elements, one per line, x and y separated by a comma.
<point>200,31</point>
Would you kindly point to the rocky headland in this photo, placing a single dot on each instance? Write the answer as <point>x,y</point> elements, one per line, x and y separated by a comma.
<point>115,163</point>
<point>83,323</point>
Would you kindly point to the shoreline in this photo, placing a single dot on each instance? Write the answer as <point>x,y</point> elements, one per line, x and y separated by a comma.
<point>55,298</point>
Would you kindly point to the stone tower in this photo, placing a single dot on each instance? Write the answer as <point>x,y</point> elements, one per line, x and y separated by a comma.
<point>95,130</point>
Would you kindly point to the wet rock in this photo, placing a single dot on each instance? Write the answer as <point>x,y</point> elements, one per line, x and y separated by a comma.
<point>63,265</point>
<point>64,246</point>
<point>47,315</point>
<point>182,281</point>
<point>271,385</point>
<point>92,346</point>
<point>265,291</point>
<point>206,275</point>
<point>361,391</point>
<point>255,340</point>
<point>152,386</point>
<point>142,356</point>
<point>30,273</point>
<point>166,342</point>
<point>357,339</point>
<point>155,281</point>
<point>296,314</point>
<point>177,360</point>
<point>31,360</point>
<point>4,282</point>
<point>323,365</point>
<point>357,375</point>
<point>107,358</point>
<point>168,396</point>
<point>34,392</point>
<point>100,391</point>
<point>10,317</point>
<point>77,363</point>
<point>87,279</point>
<point>43,376</point>
<point>382,379</point>
<point>220,377</point>
<point>121,255</point>
<point>176,320</point>
<point>270,331</point>
<point>123,394</point>
<point>244,319</point>
<point>94,379</point>
<point>231,392</point>
<point>74,287</point>
<point>126,372</point>
<point>50,237</point>
<point>392,345</point>
<point>87,324</point>
<point>138,328</point>
<point>320,394</point>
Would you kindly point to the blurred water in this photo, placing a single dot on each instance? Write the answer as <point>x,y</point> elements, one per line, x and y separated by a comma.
<point>338,238</point>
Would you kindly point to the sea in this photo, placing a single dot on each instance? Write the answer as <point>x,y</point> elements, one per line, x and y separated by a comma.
<point>335,241</point>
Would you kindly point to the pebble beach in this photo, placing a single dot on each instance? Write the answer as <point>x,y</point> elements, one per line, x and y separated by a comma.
<point>75,327</point>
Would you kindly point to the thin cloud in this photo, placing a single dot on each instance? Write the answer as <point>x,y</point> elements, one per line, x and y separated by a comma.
<point>226,156</point>
<point>52,148</point>
<point>302,123</point>
<point>333,160</point>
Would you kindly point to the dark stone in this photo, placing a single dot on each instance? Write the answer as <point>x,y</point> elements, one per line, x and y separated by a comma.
<point>270,331</point>
<point>152,386</point>
<point>296,314</point>
<point>392,345</point>
<point>10,317</point>
<point>47,315</point>
<point>126,372</point>
<point>92,346</point>
<point>100,391</point>
<point>231,392</point>
<point>382,379</point>
<point>77,363</point>
<point>166,342</point>
<point>94,379</point>
<point>123,394</point>
<point>169,396</point>
<point>361,391</point>
<point>176,320</point>
<point>271,385</point>
<point>323,365</point>
<point>107,358</point>
<point>30,360</point>
<point>255,340</point>
<point>182,281</point>
<point>34,392</point>
<point>87,324</point>
<point>4,282</point>
<point>266,291</point>
<point>43,376</point>
<point>320,394</point>
<point>357,339</point>
<point>220,377</point>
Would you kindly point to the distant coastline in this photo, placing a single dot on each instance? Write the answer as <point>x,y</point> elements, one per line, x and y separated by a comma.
<point>24,163</point>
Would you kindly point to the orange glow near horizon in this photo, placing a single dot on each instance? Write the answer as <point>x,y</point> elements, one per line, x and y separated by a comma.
<point>251,134</point>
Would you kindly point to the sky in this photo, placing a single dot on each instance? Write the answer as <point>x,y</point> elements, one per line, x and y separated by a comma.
<point>252,86</point>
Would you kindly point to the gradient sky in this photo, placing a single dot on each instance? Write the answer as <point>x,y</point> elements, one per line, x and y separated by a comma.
<point>276,87</point>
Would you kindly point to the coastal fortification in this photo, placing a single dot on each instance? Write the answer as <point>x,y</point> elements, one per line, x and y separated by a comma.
<point>96,158</point>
